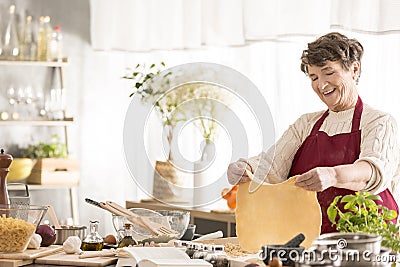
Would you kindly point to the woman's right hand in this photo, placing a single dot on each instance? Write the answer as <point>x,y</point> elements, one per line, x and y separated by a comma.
<point>237,172</point>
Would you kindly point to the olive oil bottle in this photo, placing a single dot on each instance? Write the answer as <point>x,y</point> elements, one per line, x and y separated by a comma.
<point>127,240</point>
<point>93,241</point>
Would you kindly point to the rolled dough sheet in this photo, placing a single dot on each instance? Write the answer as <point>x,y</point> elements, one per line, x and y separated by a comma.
<point>275,213</point>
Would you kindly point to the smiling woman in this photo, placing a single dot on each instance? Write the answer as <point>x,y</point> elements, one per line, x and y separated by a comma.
<point>333,152</point>
<point>333,63</point>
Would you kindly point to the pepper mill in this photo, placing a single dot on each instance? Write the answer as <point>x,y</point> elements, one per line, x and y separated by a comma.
<point>5,162</point>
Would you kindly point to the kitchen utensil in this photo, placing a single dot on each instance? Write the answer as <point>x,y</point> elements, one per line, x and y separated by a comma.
<point>114,211</point>
<point>295,241</point>
<point>351,258</point>
<point>138,233</point>
<point>189,233</point>
<point>5,162</point>
<point>175,219</point>
<point>31,253</point>
<point>64,231</point>
<point>18,225</point>
<point>93,254</point>
<point>214,235</point>
<point>356,241</point>
<point>74,260</point>
<point>53,217</point>
<point>289,253</point>
<point>16,198</point>
<point>154,227</point>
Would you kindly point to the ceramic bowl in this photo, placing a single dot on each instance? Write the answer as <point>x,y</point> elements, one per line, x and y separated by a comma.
<point>20,169</point>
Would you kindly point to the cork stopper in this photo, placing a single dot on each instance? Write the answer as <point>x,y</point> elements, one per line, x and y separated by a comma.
<point>127,226</point>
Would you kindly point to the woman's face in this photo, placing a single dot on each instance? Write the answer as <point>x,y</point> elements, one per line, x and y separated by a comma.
<point>334,85</point>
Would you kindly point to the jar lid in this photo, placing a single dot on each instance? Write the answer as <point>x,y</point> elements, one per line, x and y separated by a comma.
<point>5,159</point>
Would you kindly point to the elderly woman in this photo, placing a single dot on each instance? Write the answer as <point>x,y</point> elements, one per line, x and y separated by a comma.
<point>349,147</point>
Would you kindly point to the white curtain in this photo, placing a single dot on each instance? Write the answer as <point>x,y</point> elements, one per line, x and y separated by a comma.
<point>142,25</point>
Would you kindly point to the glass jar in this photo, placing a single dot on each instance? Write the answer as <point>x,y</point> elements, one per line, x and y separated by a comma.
<point>93,241</point>
<point>127,240</point>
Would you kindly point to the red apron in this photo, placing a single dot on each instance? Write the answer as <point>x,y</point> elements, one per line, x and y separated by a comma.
<point>322,150</point>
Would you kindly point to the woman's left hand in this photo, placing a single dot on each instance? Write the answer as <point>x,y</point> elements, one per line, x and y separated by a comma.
<point>317,179</point>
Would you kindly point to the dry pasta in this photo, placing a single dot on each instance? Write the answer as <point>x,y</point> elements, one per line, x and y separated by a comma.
<point>15,234</point>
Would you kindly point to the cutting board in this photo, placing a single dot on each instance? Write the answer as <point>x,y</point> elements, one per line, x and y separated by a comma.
<point>73,259</point>
<point>26,257</point>
<point>14,263</point>
<point>30,254</point>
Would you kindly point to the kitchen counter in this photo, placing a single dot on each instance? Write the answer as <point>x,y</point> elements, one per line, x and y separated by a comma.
<point>47,265</point>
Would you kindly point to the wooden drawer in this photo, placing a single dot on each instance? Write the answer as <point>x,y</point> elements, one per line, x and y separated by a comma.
<point>52,171</point>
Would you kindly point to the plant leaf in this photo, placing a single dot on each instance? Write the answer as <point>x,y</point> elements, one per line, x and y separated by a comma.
<point>332,213</point>
<point>348,198</point>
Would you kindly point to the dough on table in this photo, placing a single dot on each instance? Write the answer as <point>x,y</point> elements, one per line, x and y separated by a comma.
<point>275,213</point>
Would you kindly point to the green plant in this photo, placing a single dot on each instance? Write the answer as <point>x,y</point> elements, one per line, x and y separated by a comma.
<point>54,149</point>
<point>167,102</point>
<point>140,75</point>
<point>360,213</point>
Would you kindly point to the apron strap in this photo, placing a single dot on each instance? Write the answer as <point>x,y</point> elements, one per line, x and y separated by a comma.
<point>319,122</point>
<point>355,125</point>
<point>357,115</point>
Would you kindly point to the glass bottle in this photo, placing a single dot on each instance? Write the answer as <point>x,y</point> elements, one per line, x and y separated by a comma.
<point>44,35</point>
<point>28,46</point>
<point>11,43</point>
<point>93,241</point>
<point>127,240</point>
<point>55,48</point>
<point>1,34</point>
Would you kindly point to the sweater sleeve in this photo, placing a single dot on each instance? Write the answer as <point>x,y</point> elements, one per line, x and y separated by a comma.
<point>380,147</point>
<point>273,166</point>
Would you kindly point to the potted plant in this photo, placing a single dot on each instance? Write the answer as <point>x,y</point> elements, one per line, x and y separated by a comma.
<point>187,100</point>
<point>360,213</point>
<point>52,165</point>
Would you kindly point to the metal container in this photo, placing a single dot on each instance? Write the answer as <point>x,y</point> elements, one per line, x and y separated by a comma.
<point>322,263</point>
<point>66,231</point>
<point>19,195</point>
<point>350,241</point>
<point>348,259</point>
<point>347,249</point>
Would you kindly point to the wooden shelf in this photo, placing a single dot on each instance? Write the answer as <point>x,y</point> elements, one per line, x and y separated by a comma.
<point>38,186</point>
<point>35,63</point>
<point>66,122</point>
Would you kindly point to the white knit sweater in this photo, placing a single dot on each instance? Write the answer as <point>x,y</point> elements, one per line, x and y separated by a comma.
<point>380,146</point>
